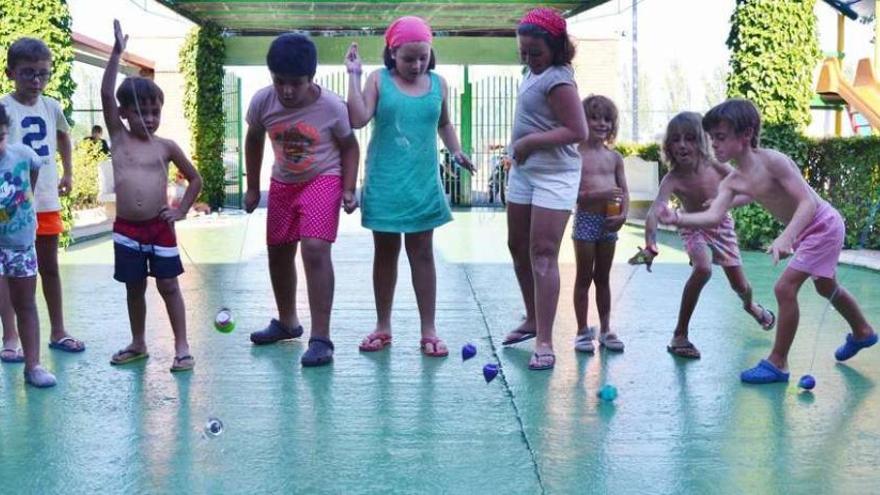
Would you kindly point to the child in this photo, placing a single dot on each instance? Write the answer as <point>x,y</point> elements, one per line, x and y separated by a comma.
<point>693,178</point>
<point>18,258</point>
<point>602,205</point>
<point>545,176</point>
<point>402,192</point>
<point>315,170</point>
<point>38,122</point>
<point>814,230</point>
<point>144,241</point>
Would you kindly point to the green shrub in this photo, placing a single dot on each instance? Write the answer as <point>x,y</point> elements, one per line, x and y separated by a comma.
<point>86,157</point>
<point>201,62</point>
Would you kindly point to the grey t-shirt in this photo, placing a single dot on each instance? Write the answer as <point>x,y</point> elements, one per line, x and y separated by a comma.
<point>18,217</point>
<point>533,114</point>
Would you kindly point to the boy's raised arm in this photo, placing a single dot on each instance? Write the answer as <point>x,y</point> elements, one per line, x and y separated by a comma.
<point>108,83</point>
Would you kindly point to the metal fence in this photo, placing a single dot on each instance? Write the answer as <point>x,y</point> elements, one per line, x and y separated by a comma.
<point>232,149</point>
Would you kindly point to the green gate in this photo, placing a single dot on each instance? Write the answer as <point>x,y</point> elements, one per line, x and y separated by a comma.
<point>232,149</point>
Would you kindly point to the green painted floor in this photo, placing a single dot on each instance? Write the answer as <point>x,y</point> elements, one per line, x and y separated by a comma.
<point>395,422</point>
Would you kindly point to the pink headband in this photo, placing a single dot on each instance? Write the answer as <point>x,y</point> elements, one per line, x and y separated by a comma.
<point>407,29</point>
<point>546,19</point>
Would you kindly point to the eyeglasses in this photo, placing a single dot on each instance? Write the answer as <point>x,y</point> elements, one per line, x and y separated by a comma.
<point>32,75</point>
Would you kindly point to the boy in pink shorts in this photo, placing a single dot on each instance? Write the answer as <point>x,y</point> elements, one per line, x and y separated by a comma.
<point>814,231</point>
<point>693,178</point>
<point>315,170</point>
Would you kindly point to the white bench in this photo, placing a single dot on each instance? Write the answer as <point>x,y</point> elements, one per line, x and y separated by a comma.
<point>106,192</point>
<point>643,180</point>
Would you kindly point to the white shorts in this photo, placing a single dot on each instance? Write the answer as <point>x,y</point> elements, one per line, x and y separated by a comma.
<point>547,186</point>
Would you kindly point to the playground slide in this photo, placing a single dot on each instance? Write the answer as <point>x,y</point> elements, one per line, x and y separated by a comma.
<point>863,95</point>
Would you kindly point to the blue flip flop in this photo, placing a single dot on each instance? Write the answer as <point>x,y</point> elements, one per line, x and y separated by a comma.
<point>274,332</point>
<point>852,346</point>
<point>764,372</point>
<point>62,345</point>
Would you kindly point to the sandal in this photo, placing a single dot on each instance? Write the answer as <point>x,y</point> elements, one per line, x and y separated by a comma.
<point>767,318</point>
<point>374,342</point>
<point>611,342</point>
<point>274,332</point>
<point>125,356</point>
<point>584,342</point>
<point>183,363</point>
<point>687,351</point>
<point>517,336</point>
<point>9,355</point>
<point>438,347</point>
<point>320,352</point>
<point>68,344</point>
<point>544,361</point>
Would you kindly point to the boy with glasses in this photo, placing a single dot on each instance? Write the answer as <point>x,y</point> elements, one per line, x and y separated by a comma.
<point>38,122</point>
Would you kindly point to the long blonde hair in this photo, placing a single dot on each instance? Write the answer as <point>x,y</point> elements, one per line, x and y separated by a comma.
<point>686,123</point>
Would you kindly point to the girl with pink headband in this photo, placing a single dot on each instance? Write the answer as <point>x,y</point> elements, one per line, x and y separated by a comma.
<point>544,179</point>
<point>402,193</point>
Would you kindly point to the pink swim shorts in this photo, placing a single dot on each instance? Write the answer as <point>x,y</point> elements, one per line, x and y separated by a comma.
<point>817,248</point>
<point>721,241</point>
<point>303,209</point>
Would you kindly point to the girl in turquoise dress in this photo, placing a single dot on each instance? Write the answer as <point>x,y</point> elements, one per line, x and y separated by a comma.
<point>402,193</point>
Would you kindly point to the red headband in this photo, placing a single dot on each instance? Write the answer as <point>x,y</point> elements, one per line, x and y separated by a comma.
<point>546,19</point>
<point>407,29</point>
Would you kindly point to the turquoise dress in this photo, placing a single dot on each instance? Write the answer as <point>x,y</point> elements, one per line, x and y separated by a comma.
<point>402,188</point>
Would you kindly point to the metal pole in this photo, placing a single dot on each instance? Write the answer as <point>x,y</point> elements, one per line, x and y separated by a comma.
<point>876,36</point>
<point>635,71</point>
<point>838,114</point>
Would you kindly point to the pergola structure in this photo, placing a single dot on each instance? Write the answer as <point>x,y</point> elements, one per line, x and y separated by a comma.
<point>251,25</point>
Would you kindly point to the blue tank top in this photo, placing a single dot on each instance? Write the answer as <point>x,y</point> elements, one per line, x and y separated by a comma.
<point>402,188</point>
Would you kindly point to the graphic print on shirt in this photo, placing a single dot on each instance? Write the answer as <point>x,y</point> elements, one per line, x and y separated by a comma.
<point>295,145</point>
<point>34,133</point>
<point>15,193</point>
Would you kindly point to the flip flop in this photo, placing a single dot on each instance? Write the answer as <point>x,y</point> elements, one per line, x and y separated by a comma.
<point>435,343</point>
<point>62,345</point>
<point>611,342</point>
<point>584,341</point>
<point>766,315</point>
<point>375,342</point>
<point>125,356</point>
<point>521,337</point>
<point>9,355</point>
<point>687,351</point>
<point>544,361</point>
<point>183,363</point>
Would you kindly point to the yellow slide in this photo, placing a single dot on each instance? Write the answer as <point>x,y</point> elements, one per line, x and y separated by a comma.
<point>862,96</point>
